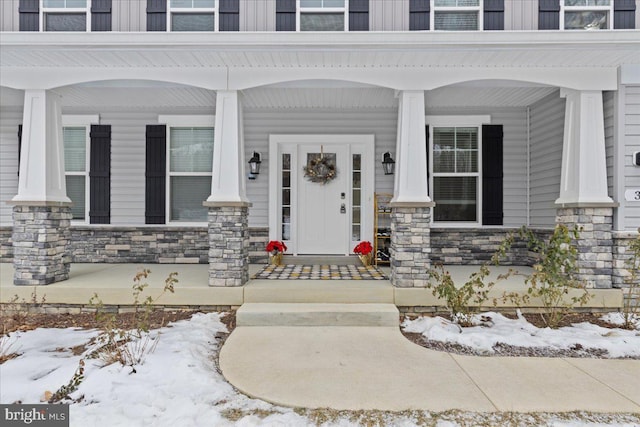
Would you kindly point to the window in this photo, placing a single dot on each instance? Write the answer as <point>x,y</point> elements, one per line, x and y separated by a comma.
<point>323,15</point>
<point>456,15</point>
<point>192,15</point>
<point>65,15</point>
<point>189,162</point>
<point>286,196</point>
<point>75,166</point>
<point>455,173</point>
<point>586,14</point>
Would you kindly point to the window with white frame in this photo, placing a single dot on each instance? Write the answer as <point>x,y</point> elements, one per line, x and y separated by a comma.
<point>456,15</point>
<point>456,173</point>
<point>323,15</point>
<point>76,168</point>
<point>189,163</point>
<point>586,14</point>
<point>66,15</point>
<point>192,15</point>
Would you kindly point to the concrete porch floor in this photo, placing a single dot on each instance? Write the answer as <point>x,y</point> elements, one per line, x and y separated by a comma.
<point>113,282</point>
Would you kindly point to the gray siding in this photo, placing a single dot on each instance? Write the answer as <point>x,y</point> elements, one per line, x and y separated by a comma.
<point>10,118</point>
<point>9,16</point>
<point>514,122</point>
<point>631,144</point>
<point>389,15</point>
<point>609,100</point>
<point>547,132</point>
<point>520,15</point>
<point>129,15</point>
<point>637,14</point>
<point>259,124</point>
<point>257,15</point>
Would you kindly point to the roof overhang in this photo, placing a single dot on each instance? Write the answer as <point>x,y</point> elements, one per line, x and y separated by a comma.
<point>397,60</point>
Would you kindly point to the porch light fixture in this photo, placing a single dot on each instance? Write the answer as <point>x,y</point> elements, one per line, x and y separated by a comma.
<point>388,164</point>
<point>254,165</point>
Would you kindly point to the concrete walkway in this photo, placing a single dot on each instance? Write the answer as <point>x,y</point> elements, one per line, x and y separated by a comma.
<point>377,368</point>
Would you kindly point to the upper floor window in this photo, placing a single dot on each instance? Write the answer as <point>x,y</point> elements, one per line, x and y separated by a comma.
<point>586,14</point>
<point>323,15</point>
<point>192,15</point>
<point>65,15</point>
<point>456,15</point>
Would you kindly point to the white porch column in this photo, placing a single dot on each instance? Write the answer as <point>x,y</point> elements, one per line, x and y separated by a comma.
<point>583,201</point>
<point>228,180</point>
<point>584,168</point>
<point>42,155</point>
<point>410,183</point>
<point>411,205</point>
<point>228,204</point>
<point>41,212</point>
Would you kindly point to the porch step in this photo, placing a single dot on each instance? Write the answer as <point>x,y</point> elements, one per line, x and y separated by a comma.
<point>321,260</point>
<point>270,314</point>
<point>319,291</point>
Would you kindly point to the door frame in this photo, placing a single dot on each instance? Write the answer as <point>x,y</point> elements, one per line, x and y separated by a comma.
<point>279,144</point>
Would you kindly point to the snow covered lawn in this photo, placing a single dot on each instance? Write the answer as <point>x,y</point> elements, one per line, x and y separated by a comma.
<point>493,329</point>
<point>179,385</point>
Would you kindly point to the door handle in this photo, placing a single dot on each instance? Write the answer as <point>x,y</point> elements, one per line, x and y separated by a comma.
<point>343,208</point>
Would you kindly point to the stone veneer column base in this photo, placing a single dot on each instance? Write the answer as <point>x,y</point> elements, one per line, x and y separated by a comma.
<point>410,244</point>
<point>595,243</point>
<point>228,244</point>
<point>41,238</point>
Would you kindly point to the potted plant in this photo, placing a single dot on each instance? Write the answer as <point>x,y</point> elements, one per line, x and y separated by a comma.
<point>364,251</point>
<point>276,248</point>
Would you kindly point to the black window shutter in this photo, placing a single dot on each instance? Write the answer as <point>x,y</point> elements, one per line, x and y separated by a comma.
<point>101,15</point>
<point>418,15</point>
<point>229,15</point>
<point>494,14</point>
<point>100,175</point>
<point>155,174</point>
<point>492,176</point>
<point>19,146</point>
<point>29,11</point>
<point>549,14</point>
<point>358,15</point>
<point>156,15</point>
<point>624,14</point>
<point>428,172</point>
<point>285,15</point>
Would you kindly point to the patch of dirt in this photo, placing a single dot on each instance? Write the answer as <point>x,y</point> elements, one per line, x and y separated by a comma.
<point>26,322</point>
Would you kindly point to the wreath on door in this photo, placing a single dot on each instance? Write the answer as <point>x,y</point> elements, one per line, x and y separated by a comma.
<point>320,169</point>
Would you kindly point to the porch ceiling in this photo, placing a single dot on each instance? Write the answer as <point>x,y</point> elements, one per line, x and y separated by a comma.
<point>342,50</point>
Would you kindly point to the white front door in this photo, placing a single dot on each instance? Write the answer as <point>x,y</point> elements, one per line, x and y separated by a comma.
<point>309,216</point>
<point>324,208</point>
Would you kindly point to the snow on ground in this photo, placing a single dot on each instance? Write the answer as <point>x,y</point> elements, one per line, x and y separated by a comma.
<point>179,385</point>
<point>518,332</point>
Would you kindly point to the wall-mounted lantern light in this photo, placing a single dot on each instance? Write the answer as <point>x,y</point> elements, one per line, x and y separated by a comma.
<point>388,163</point>
<point>254,165</point>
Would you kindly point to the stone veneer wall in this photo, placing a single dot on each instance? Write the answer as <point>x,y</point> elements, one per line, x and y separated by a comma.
<point>464,246</point>
<point>410,246</point>
<point>228,245</point>
<point>595,243</point>
<point>144,244</point>
<point>621,255</point>
<point>41,238</point>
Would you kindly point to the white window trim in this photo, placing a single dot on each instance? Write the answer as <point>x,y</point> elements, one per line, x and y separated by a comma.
<point>457,121</point>
<point>186,10</point>
<point>608,9</point>
<point>300,10</point>
<point>64,10</point>
<point>182,121</point>
<point>433,8</point>
<point>83,121</point>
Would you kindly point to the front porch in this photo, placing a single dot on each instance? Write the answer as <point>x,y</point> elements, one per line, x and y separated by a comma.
<point>113,282</point>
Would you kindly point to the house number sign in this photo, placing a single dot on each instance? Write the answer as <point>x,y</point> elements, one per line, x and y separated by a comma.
<point>632,195</point>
